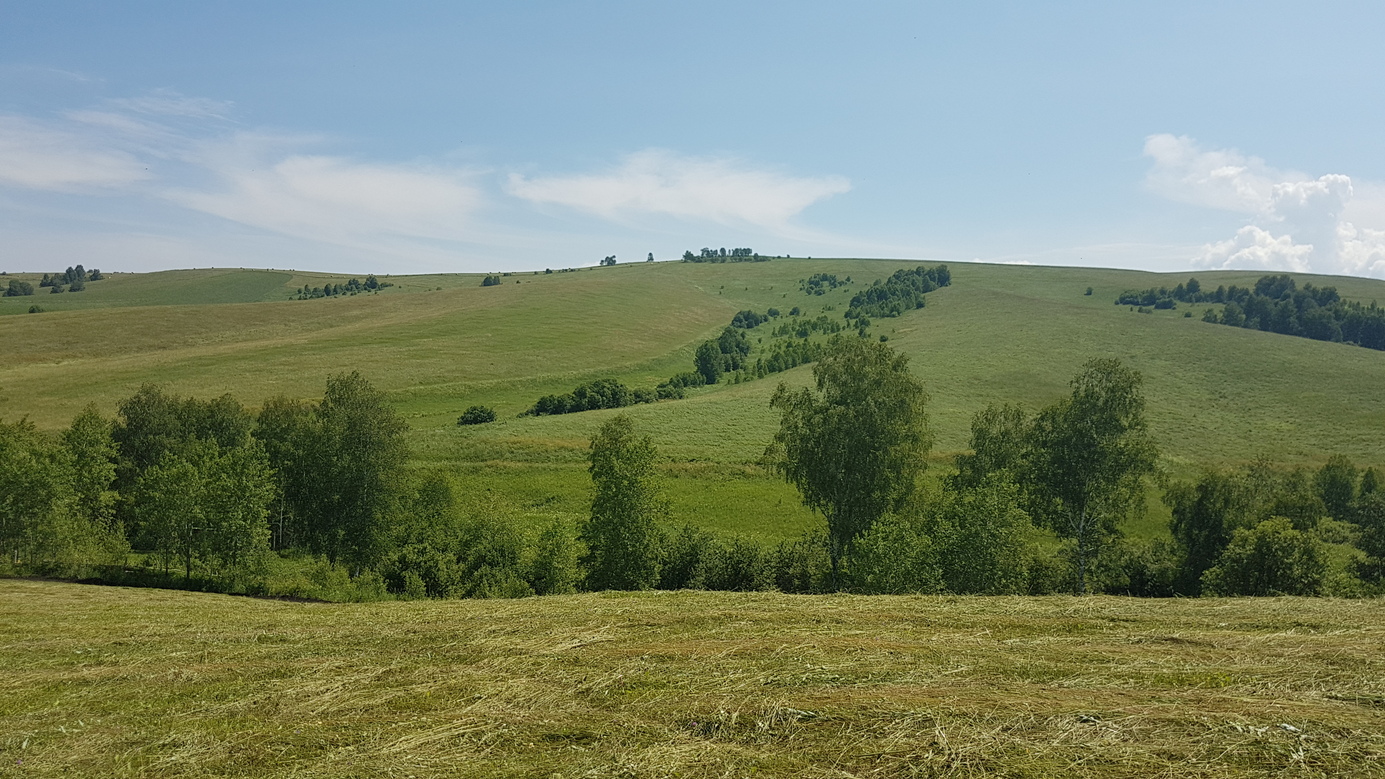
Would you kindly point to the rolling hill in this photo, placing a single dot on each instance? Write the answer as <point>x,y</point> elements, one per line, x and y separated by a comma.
<point>437,344</point>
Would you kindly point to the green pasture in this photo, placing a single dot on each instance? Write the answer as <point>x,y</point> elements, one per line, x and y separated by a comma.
<point>437,344</point>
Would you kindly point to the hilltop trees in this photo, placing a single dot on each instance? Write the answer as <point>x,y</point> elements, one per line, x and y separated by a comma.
<point>855,446</point>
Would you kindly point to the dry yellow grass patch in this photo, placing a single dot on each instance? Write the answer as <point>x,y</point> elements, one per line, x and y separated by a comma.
<point>116,682</point>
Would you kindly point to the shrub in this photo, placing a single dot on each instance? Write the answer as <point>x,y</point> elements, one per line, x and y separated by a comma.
<point>554,569</point>
<point>802,565</point>
<point>477,415</point>
<point>685,559</point>
<point>895,556</point>
<point>740,566</point>
<point>1272,558</point>
<point>18,288</point>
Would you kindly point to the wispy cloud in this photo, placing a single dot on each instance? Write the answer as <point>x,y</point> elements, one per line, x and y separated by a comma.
<point>1297,222</point>
<point>657,182</point>
<point>36,155</point>
<point>331,199</point>
<point>166,102</point>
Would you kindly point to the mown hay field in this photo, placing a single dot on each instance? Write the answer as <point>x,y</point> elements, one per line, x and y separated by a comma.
<point>113,682</point>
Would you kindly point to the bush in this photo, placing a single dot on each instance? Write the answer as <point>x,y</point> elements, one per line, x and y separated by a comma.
<point>1272,558</point>
<point>685,559</point>
<point>554,569</point>
<point>18,288</point>
<point>802,565</point>
<point>740,566</point>
<point>477,415</point>
<point>895,556</point>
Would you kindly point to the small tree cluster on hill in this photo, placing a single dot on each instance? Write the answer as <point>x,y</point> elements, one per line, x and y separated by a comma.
<point>722,255</point>
<point>902,291</point>
<point>352,287</point>
<point>17,288</point>
<point>1276,304</point>
<point>593,395</point>
<point>821,283</point>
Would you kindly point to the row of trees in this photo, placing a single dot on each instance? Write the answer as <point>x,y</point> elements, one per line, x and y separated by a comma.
<point>722,255</point>
<point>205,487</point>
<point>75,277</point>
<point>902,291</point>
<point>353,287</point>
<point>1276,304</point>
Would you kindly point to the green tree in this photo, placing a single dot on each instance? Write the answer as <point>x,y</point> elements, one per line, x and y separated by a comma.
<point>239,489</point>
<point>92,453</point>
<point>999,437</point>
<point>1336,485</point>
<point>1370,516</point>
<point>981,533</point>
<point>359,461</point>
<point>1089,456</point>
<point>1272,558</point>
<point>31,486</point>
<point>555,569</point>
<point>168,503</point>
<point>1370,482</point>
<point>289,431</point>
<point>856,445</point>
<point>1205,514</point>
<point>622,535</point>
<point>709,361</point>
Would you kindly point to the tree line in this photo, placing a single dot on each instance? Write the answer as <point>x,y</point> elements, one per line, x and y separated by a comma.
<point>353,287</point>
<point>205,493</point>
<point>902,291</point>
<point>722,255</point>
<point>1276,304</point>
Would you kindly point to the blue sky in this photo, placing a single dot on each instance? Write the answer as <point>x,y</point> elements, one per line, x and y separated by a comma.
<point>422,137</point>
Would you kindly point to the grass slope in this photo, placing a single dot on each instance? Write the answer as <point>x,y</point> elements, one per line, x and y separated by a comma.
<point>104,681</point>
<point>437,344</point>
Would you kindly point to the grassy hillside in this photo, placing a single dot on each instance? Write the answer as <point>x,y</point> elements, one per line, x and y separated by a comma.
<point>104,681</point>
<point>1217,395</point>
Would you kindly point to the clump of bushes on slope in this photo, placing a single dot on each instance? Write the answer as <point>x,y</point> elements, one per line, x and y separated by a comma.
<point>593,395</point>
<point>902,291</point>
<point>353,287</point>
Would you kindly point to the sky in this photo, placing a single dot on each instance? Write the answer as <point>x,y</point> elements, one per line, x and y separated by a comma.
<point>416,137</point>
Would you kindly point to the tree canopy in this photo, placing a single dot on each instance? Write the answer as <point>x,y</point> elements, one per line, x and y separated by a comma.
<point>855,445</point>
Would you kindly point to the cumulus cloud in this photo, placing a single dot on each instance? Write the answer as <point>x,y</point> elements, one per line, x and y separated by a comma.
<point>713,189</point>
<point>36,155</point>
<point>1297,223</point>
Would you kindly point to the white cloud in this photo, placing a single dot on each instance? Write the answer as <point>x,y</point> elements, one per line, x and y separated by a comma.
<point>1219,178</point>
<point>331,199</point>
<point>1297,223</point>
<point>712,189</point>
<point>35,155</point>
<point>166,102</point>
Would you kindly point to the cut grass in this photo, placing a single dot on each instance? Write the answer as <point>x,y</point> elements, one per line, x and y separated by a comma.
<point>105,681</point>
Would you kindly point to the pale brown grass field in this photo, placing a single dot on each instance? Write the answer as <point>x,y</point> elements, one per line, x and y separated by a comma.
<point>105,681</point>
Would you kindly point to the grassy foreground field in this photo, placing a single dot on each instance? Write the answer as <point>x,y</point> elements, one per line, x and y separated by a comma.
<point>104,681</point>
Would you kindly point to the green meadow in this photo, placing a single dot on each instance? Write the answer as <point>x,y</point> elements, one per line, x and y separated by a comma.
<point>438,344</point>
